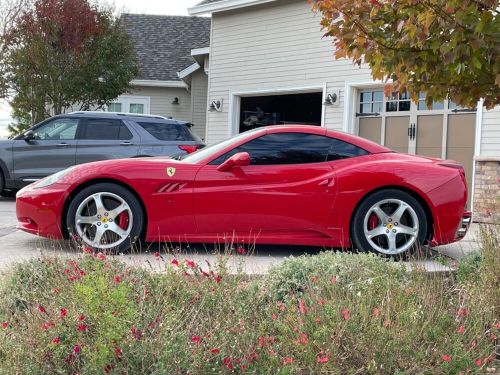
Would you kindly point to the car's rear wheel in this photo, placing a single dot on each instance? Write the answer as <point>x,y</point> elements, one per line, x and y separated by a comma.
<point>106,217</point>
<point>389,222</point>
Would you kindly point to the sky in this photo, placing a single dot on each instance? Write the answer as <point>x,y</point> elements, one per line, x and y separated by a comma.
<point>166,7</point>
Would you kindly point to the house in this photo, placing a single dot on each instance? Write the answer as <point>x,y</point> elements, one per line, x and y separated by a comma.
<point>171,53</point>
<point>270,64</point>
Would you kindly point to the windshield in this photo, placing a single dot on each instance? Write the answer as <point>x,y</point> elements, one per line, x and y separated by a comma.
<point>206,152</point>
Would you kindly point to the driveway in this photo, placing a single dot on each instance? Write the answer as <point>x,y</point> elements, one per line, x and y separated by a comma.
<point>16,246</point>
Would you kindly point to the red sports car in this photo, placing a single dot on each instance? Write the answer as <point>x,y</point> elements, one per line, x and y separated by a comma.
<point>296,185</point>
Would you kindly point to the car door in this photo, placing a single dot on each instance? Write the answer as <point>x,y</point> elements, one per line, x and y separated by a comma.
<point>52,149</point>
<point>288,187</point>
<point>105,139</point>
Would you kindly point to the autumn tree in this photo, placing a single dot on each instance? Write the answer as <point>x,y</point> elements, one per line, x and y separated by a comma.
<point>446,48</point>
<point>65,54</point>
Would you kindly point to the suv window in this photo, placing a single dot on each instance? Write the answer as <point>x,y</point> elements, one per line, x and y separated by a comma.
<point>106,129</point>
<point>165,131</point>
<point>58,129</point>
<point>283,148</point>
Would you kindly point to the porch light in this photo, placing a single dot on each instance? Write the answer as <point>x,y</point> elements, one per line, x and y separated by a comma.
<point>175,101</point>
<point>215,106</point>
<point>331,99</point>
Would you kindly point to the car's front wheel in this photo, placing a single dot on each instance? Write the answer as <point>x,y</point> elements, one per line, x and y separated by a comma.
<point>106,217</point>
<point>390,222</point>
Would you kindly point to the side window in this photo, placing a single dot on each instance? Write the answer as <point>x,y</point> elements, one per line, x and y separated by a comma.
<point>106,129</point>
<point>58,129</point>
<point>283,148</point>
<point>343,150</point>
<point>165,131</point>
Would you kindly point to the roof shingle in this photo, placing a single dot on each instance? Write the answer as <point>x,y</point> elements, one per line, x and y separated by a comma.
<point>163,44</point>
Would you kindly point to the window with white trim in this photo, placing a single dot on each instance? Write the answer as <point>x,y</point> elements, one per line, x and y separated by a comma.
<point>371,101</point>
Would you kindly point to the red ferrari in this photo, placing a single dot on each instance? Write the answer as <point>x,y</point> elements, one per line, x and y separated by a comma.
<point>295,185</point>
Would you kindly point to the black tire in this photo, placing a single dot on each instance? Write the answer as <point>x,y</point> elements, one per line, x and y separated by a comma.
<point>396,238</point>
<point>113,196</point>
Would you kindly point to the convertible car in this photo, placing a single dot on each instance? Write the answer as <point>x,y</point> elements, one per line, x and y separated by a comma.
<point>295,185</point>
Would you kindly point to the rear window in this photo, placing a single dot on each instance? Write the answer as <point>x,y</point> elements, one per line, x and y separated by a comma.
<point>167,131</point>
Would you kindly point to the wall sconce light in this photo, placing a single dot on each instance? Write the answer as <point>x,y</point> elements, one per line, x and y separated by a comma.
<point>175,101</point>
<point>331,99</point>
<point>215,106</point>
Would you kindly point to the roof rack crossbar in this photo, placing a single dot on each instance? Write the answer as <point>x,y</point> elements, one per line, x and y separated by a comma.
<point>118,114</point>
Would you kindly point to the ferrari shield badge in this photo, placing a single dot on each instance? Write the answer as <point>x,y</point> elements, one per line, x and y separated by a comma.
<point>170,171</point>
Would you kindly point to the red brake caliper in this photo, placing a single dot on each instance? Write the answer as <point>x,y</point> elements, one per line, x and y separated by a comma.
<point>123,220</point>
<point>372,222</point>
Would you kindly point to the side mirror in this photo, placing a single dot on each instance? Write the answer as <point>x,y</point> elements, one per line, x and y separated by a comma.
<point>241,159</point>
<point>29,136</point>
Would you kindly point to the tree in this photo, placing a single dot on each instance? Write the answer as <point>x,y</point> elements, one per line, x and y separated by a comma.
<point>65,54</point>
<point>446,48</point>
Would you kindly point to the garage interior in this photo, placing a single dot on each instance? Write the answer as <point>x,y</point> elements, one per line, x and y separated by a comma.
<point>258,111</point>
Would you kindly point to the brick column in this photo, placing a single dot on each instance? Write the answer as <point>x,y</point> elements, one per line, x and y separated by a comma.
<point>487,190</point>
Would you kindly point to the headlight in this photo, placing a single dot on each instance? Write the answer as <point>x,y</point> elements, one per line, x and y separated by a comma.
<point>52,179</point>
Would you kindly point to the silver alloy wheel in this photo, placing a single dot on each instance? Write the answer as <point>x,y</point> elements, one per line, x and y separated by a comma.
<point>396,228</point>
<point>97,220</point>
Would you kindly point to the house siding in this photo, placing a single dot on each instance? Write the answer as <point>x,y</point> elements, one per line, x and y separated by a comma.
<point>490,133</point>
<point>278,45</point>
<point>199,88</point>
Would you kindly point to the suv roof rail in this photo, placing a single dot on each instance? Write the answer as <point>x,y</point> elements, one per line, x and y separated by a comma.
<point>120,114</point>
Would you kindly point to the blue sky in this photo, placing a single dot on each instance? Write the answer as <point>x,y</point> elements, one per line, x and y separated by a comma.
<point>171,7</point>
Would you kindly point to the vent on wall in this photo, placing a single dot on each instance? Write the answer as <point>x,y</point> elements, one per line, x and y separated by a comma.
<point>171,187</point>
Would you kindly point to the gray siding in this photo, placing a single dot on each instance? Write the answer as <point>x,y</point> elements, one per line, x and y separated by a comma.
<point>490,133</point>
<point>161,101</point>
<point>278,45</point>
<point>199,88</point>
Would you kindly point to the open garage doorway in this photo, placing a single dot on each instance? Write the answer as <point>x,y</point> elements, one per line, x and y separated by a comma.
<point>258,111</point>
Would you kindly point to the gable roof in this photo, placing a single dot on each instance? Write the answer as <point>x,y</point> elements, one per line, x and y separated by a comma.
<point>163,44</point>
<point>211,6</point>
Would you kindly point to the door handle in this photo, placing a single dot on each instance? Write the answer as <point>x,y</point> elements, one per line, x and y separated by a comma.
<point>414,131</point>
<point>62,144</point>
<point>329,182</point>
<point>126,144</point>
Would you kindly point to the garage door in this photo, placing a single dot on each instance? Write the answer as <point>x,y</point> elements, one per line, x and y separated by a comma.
<point>442,130</point>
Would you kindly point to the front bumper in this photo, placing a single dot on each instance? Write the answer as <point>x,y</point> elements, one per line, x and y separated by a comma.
<point>39,211</point>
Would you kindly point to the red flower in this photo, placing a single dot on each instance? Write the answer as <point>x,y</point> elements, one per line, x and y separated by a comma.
<point>81,317</point>
<point>82,327</point>
<point>302,307</point>
<point>76,349</point>
<point>118,352</point>
<point>63,312</point>
<point>156,254</point>
<point>42,309</point>
<point>48,325</point>
<point>478,362</point>
<point>72,278</point>
<point>87,250</point>
<point>461,329</point>
<point>5,325</point>
<point>227,362</point>
<point>376,311</point>
<point>136,333</point>
<point>274,317</point>
<point>107,369</point>
<point>196,339</point>
<point>189,263</point>
<point>117,279</point>
<point>174,262</point>
<point>272,353</point>
<point>462,312</point>
<point>303,339</point>
<point>56,341</point>
<point>496,325</point>
<point>280,306</point>
<point>218,278</point>
<point>215,351</point>
<point>322,359</point>
<point>493,337</point>
<point>346,314</point>
<point>287,360</point>
<point>446,358</point>
<point>101,256</point>
<point>241,250</point>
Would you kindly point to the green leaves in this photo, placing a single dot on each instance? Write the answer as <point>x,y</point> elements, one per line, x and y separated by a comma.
<point>447,48</point>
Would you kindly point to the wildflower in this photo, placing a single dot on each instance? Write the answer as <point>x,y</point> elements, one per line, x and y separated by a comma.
<point>5,325</point>
<point>280,306</point>
<point>446,358</point>
<point>478,362</point>
<point>218,278</point>
<point>272,353</point>
<point>42,309</point>
<point>241,250</point>
<point>156,254</point>
<point>215,351</point>
<point>118,352</point>
<point>196,339</point>
<point>496,325</point>
<point>274,317</point>
<point>82,327</point>
<point>461,329</point>
<point>346,314</point>
<point>303,340</point>
<point>101,256</point>
<point>462,312</point>
<point>322,359</point>
<point>189,263</point>
<point>227,362</point>
<point>56,341</point>
<point>117,279</point>
<point>72,278</point>
<point>48,325</point>
<point>76,349</point>
<point>174,262</point>
<point>63,312</point>
<point>87,250</point>
<point>136,333</point>
<point>287,361</point>
<point>107,369</point>
<point>81,317</point>
<point>302,307</point>
<point>376,312</point>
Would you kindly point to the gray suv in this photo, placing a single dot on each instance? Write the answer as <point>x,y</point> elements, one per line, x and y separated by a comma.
<point>83,137</point>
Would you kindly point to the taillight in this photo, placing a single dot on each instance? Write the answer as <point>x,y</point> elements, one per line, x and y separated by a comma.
<point>189,148</point>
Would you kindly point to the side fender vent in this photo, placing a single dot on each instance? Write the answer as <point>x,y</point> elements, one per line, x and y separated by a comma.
<point>171,187</point>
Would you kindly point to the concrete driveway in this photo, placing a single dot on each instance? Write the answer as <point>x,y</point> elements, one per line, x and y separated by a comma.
<point>16,246</point>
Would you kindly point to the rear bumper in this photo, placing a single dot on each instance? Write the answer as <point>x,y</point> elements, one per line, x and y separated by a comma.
<point>39,210</point>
